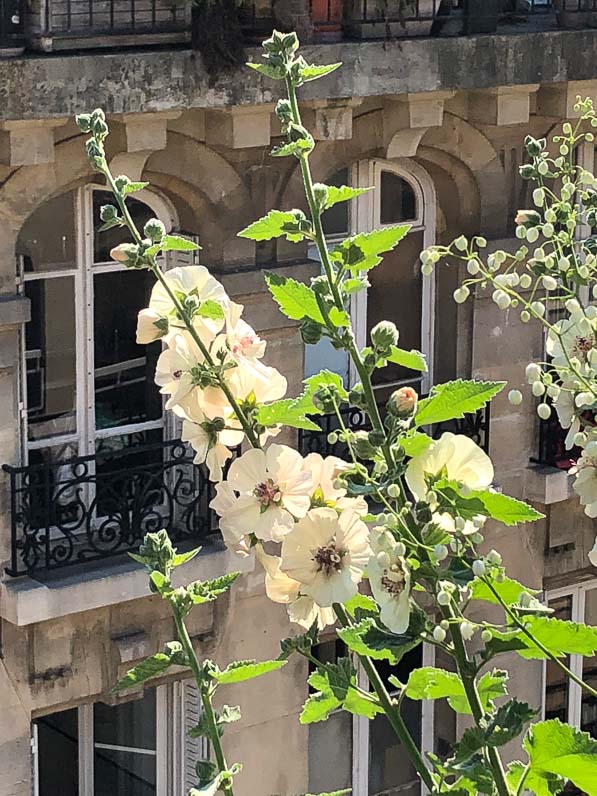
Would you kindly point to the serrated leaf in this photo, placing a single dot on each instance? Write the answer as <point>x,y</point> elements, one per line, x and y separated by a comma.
<point>559,636</point>
<point>413,360</point>
<point>556,748</point>
<point>296,300</point>
<point>367,638</point>
<point>318,707</point>
<point>539,784</point>
<point>109,224</point>
<point>300,643</point>
<point>341,193</point>
<point>416,443</point>
<point>500,507</point>
<point>176,243</point>
<point>153,666</point>
<point>326,378</point>
<point>455,399</point>
<point>431,683</point>
<point>160,581</point>
<point>210,309</point>
<point>359,705</point>
<point>363,252</point>
<point>293,148</point>
<point>508,722</point>
<point>508,589</point>
<point>289,412</point>
<point>273,72</point>
<point>182,558</point>
<point>361,602</point>
<point>227,715</point>
<point>276,224</point>
<point>312,72</point>
<point>207,591</point>
<point>133,187</point>
<point>240,671</point>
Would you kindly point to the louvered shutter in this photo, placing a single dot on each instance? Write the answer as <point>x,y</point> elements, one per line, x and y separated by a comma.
<point>174,259</point>
<point>194,749</point>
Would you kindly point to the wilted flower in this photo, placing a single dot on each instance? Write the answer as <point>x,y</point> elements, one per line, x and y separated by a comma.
<point>326,553</point>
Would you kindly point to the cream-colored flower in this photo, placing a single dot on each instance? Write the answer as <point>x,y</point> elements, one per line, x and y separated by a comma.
<point>211,446</point>
<point>273,489</point>
<point>585,484</point>
<point>250,380</point>
<point>454,457</point>
<point>280,588</point>
<point>150,326</point>
<point>566,411</point>
<point>175,366</point>
<point>196,285</point>
<point>324,472</point>
<point>576,340</point>
<point>326,553</point>
<point>593,554</point>
<point>240,340</point>
<point>225,499</point>
<point>389,577</point>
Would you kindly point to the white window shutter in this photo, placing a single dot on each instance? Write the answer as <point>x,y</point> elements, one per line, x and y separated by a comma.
<point>194,749</point>
<point>175,259</point>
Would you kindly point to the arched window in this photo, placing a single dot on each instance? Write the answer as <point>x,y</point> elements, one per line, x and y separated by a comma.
<point>403,194</point>
<point>87,383</point>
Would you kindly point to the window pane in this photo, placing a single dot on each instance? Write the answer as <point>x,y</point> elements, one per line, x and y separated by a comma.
<point>397,200</point>
<point>445,730</point>
<point>589,703</point>
<point>330,754</point>
<point>50,357</point>
<point>336,219</point>
<point>124,739</point>
<point>556,682</point>
<point>58,754</point>
<point>396,294</point>
<point>390,770</point>
<point>47,239</point>
<point>124,371</point>
<point>104,241</point>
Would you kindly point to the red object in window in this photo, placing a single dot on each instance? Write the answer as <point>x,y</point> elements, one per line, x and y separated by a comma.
<point>326,16</point>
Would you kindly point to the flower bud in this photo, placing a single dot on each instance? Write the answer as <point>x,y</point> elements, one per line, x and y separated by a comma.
<point>467,630</point>
<point>440,551</point>
<point>108,213</point>
<point>403,402</point>
<point>362,447</point>
<point>532,372</point>
<point>155,230</point>
<point>461,294</point>
<point>544,411</point>
<point>439,634</point>
<point>126,253</point>
<point>515,397</point>
<point>384,335</point>
<point>527,218</point>
<point>479,568</point>
<point>486,636</point>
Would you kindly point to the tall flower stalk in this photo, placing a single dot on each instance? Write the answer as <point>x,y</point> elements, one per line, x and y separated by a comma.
<point>405,511</point>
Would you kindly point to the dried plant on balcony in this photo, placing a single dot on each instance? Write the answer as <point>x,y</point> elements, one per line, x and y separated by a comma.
<point>382,547</point>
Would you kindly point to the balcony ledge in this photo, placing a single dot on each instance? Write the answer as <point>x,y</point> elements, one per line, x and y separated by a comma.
<point>547,485</point>
<point>25,601</point>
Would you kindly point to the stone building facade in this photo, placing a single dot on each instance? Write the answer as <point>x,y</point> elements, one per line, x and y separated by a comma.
<point>437,122</point>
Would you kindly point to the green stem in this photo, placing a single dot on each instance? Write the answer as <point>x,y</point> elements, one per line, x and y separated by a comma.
<point>390,709</point>
<point>204,689</point>
<point>523,779</point>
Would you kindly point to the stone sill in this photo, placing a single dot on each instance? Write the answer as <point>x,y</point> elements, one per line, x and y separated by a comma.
<point>547,485</point>
<point>25,601</point>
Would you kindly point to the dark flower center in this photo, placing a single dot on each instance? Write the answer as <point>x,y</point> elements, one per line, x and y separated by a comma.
<point>267,493</point>
<point>329,558</point>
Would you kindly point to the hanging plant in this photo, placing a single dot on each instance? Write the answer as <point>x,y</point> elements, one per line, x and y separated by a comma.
<point>216,33</point>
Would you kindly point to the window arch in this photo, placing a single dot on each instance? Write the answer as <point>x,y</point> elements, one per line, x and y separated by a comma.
<point>86,382</point>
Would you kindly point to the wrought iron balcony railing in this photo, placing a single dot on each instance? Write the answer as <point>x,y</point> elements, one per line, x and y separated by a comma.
<point>475,426</point>
<point>91,507</point>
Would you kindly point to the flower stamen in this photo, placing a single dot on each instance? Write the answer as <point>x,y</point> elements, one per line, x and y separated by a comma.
<point>329,558</point>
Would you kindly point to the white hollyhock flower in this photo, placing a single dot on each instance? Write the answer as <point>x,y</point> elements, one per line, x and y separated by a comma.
<point>211,446</point>
<point>280,588</point>
<point>326,553</point>
<point>273,489</point>
<point>250,380</point>
<point>576,341</point>
<point>389,577</point>
<point>224,500</point>
<point>585,484</point>
<point>195,284</point>
<point>324,472</point>
<point>454,456</point>
<point>240,340</point>
<point>593,554</point>
<point>150,326</point>
<point>566,411</point>
<point>175,366</point>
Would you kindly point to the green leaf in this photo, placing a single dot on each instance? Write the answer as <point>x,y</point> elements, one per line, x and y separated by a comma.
<point>318,707</point>
<point>455,399</point>
<point>273,72</point>
<point>293,148</point>
<point>362,252</point>
<point>556,748</point>
<point>182,558</point>
<point>500,507</point>
<point>431,683</point>
<point>367,638</point>
<point>361,602</point>
<point>326,378</point>
<point>133,187</point>
<point>210,309</point>
<point>416,443</point>
<point>295,299</point>
<point>160,581</point>
<point>227,715</point>
<point>207,591</point>
<point>301,643</point>
<point>289,412</point>
<point>239,671</point>
<point>312,72</point>
<point>560,637</point>
<point>176,243</point>
<point>292,224</point>
<point>153,666</point>
<point>413,360</point>
<point>539,784</point>
<point>508,722</point>
<point>110,223</point>
<point>333,683</point>
<point>340,193</point>
<point>359,705</point>
<point>508,589</point>
<point>206,771</point>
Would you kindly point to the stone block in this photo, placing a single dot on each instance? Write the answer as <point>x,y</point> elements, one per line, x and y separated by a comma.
<point>330,121</point>
<point>14,310</point>
<point>27,142</point>
<point>501,106</point>
<point>239,127</point>
<point>559,99</point>
<point>547,485</point>
<point>147,131</point>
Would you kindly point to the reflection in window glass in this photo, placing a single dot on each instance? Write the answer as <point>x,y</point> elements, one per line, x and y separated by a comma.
<point>556,682</point>
<point>390,769</point>
<point>47,239</point>
<point>58,754</point>
<point>398,201</point>
<point>588,719</point>
<point>124,371</point>
<point>104,241</point>
<point>50,357</point>
<point>396,294</point>
<point>336,219</point>
<point>124,740</point>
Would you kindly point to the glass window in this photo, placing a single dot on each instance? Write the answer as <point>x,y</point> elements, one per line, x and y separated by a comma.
<point>397,199</point>
<point>103,242</point>
<point>556,682</point>
<point>124,389</point>
<point>588,720</point>
<point>58,754</point>
<point>50,357</point>
<point>336,219</point>
<point>124,742</point>
<point>47,239</point>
